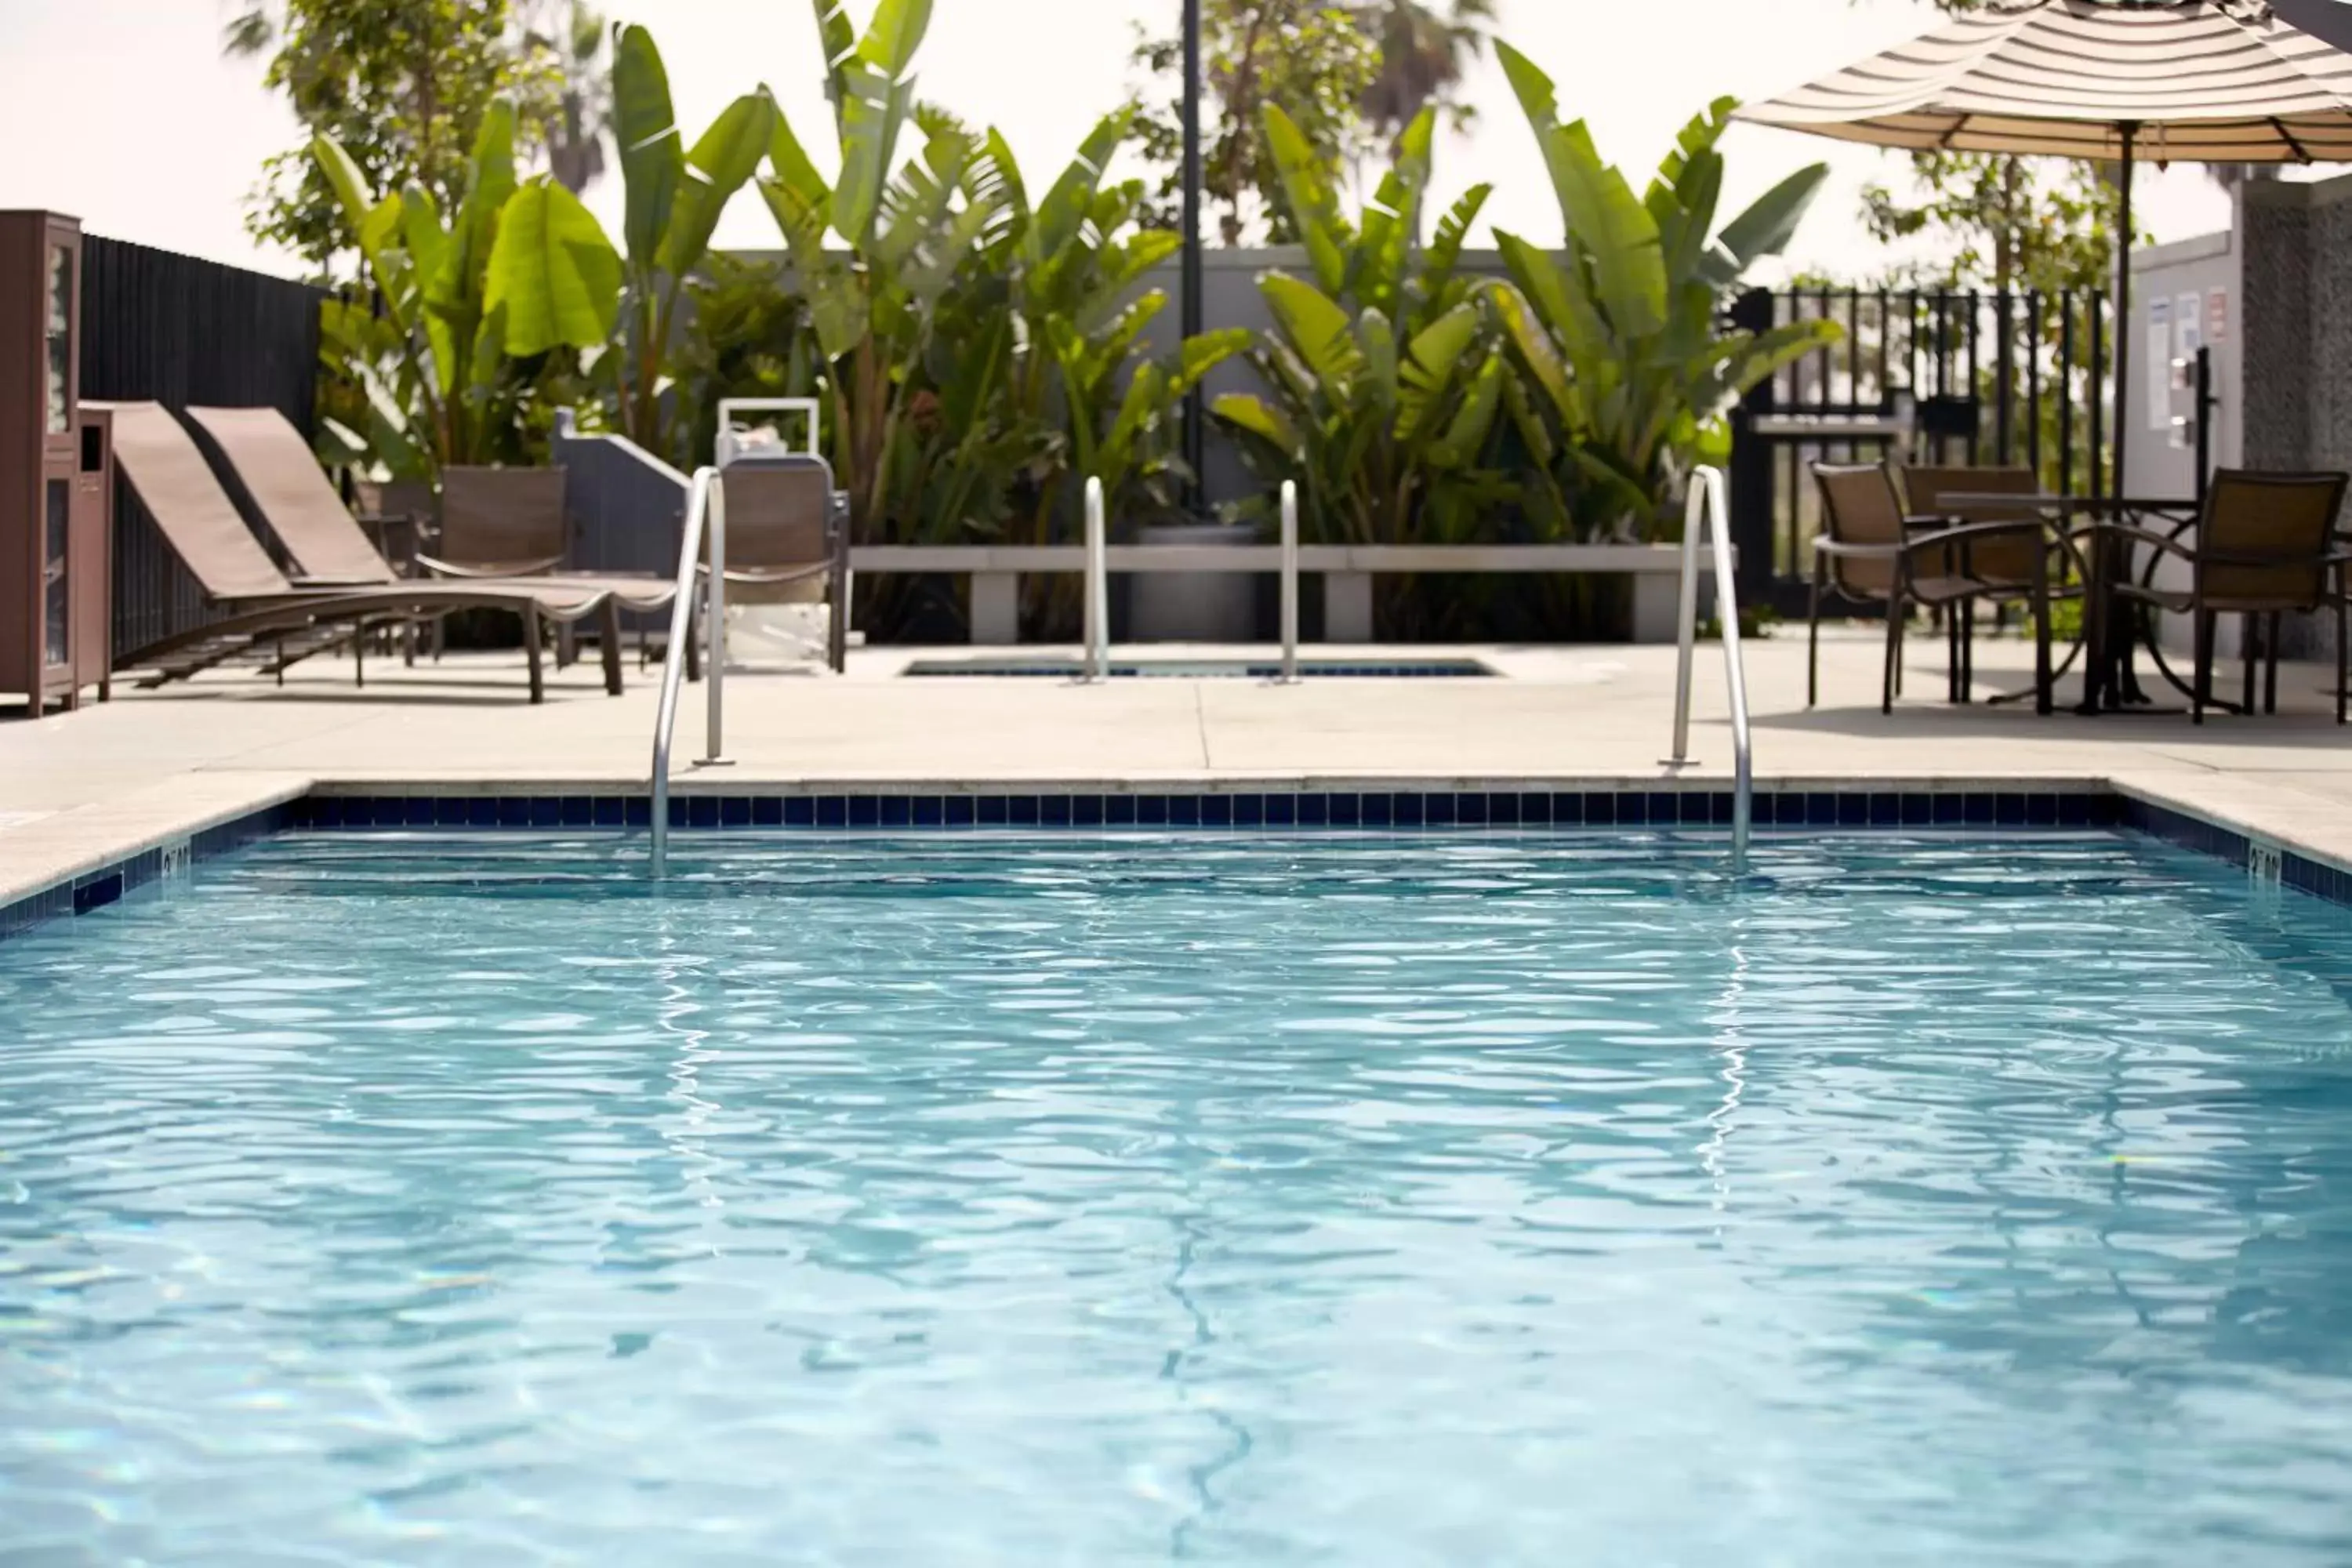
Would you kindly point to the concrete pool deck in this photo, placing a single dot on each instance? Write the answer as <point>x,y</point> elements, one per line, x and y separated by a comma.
<point>78,791</point>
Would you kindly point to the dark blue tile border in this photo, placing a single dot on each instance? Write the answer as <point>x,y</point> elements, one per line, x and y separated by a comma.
<point>94,890</point>
<point>2012,809</point>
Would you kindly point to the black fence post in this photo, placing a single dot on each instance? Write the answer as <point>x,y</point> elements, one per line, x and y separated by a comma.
<point>1751,479</point>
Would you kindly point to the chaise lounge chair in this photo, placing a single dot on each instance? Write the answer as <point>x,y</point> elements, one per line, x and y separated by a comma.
<point>277,620</point>
<point>300,505</point>
<point>788,541</point>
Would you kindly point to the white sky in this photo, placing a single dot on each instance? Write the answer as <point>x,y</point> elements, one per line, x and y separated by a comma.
<point>123,113</point>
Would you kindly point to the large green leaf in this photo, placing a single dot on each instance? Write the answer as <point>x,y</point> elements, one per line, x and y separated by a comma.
<point>1391,223</point>
<point>343,175</point>
<point>1766,227</point>
<point>1435,285</point>
<point>874,107</point>
<point>1317,329</point>
<point>1205,352</point>
<point>1310,188</point>
<point>919,199</point>
<point>792,167</point>
<point>554,275</point>
<point>1536,351</point>
<point>895,34</point>
<point>720,164</point>
<point>875,94</point>
<point>835,297</point>
<point>1560,304</point>
<point>1614,231</point>
<point>1538,98</point>
<point>1261,419</point>
<point>645,126</point>
<point>1063,212</point>
<point>1474,420</point>
<point>427,244</point>
<point>1742,361</point>
<point>455,290</point>
<point>1683,203</point>
<point>1433,365</point>
<point>837,39</point>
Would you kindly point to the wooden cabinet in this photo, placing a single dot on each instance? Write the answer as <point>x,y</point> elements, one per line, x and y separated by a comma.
<point>56,474</point>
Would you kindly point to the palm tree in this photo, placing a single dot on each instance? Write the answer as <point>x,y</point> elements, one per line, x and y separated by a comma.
<point>1424,50</point>
<point>575,36</point>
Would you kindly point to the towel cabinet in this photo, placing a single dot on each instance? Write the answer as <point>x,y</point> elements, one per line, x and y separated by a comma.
<point>56,475</point>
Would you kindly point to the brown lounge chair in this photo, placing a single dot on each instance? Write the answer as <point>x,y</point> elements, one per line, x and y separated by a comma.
<point>278,620</point>
<point>1871,553</point>
<point>2267,545</point>
<point>500,523</point>
<point>295,499</point>
<point>788,540</point>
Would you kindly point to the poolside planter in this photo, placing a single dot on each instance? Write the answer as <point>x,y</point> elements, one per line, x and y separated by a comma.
<point>1193,607</point>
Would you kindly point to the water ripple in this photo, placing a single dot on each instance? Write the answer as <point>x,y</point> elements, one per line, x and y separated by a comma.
<point>875,1200</point>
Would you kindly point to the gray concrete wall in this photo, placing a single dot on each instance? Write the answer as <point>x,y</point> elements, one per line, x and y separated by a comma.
<point>2295,245</point>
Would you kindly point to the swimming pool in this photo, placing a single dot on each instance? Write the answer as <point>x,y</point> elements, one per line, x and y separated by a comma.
<point>1129,1198</point>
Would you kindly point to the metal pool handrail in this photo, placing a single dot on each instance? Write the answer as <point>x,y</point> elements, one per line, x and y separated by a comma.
<point>1098,592</point>
<point>1703,513</point>
<point>706,519</point>
<point>1289,581</point>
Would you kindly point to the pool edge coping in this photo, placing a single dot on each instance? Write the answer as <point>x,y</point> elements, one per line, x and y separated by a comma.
<point>84,859</point>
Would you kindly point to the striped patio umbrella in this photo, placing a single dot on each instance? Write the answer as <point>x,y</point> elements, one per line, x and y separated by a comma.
<point>2215,81</point>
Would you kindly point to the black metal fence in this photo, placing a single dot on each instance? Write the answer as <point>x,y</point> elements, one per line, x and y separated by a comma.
<point>181,332</point>
<point>1973,377</point>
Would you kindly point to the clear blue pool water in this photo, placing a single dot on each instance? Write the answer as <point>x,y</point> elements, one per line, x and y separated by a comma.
<point>1097,1201</point>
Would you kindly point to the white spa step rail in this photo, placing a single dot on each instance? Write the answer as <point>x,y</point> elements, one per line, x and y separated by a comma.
<point>1703,513</point>
<point>706,522</point>
<point>1095,665</point>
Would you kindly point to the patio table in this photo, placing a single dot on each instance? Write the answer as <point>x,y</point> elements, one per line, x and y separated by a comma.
<point>2111,681</point>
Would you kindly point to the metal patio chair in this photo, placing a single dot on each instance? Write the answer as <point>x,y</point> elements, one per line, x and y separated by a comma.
<point>1871,551</point>
<point>2265,546</point>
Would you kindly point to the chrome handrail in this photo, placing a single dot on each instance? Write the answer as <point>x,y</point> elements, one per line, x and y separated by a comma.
<point>706,516</point>
<point>1703,513</point>
<point>1097,591</point>
<point>1289,581</point>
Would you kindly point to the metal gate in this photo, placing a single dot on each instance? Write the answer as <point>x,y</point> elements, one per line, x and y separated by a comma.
<point>1940,376</point>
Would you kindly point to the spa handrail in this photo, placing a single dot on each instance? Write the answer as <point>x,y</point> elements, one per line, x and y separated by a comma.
<point>1703,513</point>
<point>705,520</point>
<point>1097,588</point>
<point>1289,581</point>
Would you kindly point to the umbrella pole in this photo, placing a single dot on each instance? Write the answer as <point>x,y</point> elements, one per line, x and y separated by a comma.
<point>2123,304</point>
<point>2126,677</point>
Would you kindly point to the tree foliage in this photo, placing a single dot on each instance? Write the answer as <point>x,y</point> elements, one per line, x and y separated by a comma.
<point>2000,222</point>
<point>1424,52</point>
<point>403,86</point>
<point>1314,60</point>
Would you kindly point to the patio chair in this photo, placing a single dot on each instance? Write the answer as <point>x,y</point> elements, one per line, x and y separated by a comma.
<point>263,615</point>
<point>2006,562</point>
<point>2267,545</point>
<point>300,505</point>
<point>788,540</point>
<point>1870,552</point>
<point>500,523</point>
